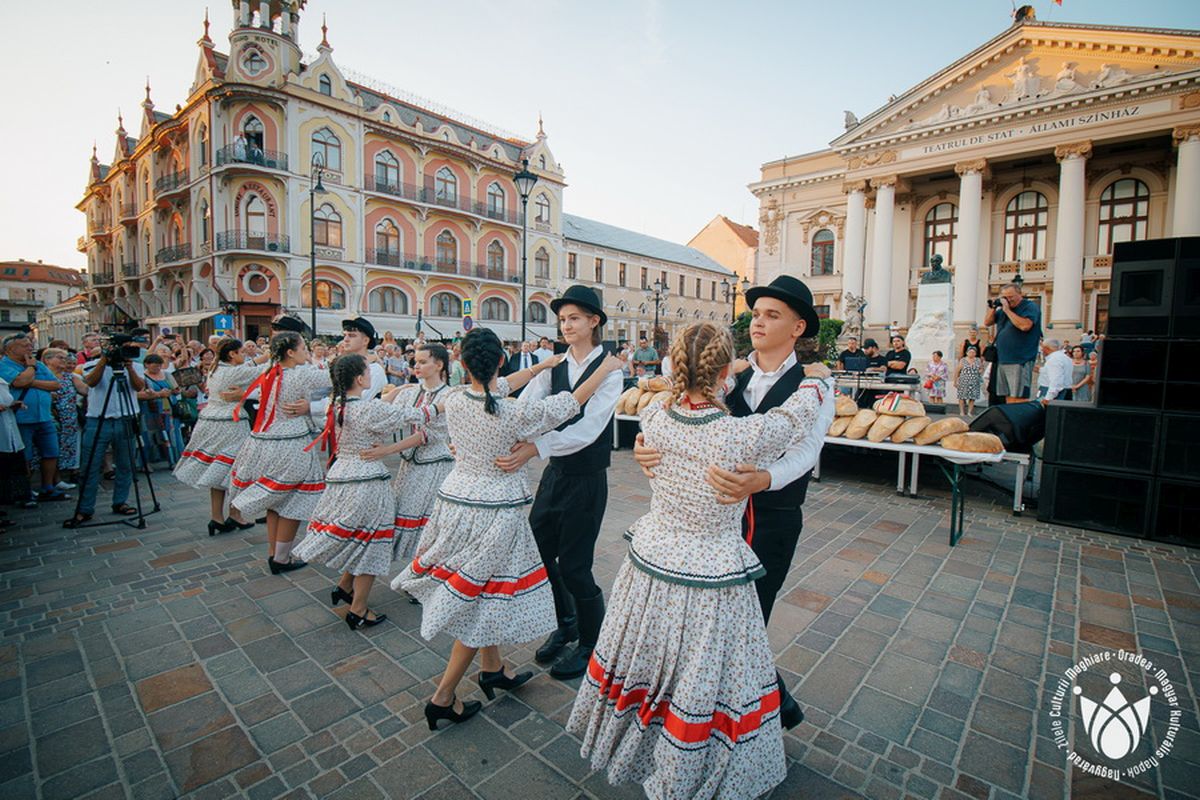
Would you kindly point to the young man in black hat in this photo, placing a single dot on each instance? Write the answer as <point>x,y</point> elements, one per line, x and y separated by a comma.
<point>358,338</point>
<point>573,492</point>
<point>782,314</point>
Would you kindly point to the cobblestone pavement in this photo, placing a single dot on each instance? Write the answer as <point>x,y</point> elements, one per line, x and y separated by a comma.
<point>163,663</point>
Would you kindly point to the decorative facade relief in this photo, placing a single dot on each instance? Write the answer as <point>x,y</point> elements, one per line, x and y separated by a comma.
<point>769,219</point>
<point>873,159</point>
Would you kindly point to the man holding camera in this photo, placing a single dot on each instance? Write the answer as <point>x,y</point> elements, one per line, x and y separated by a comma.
<point>98,374</point>
<point>1018,324</point>
<point>32,383</point>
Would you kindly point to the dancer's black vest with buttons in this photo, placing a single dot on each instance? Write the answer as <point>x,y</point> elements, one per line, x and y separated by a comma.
<point>597,455</point>
<point>792,495</point>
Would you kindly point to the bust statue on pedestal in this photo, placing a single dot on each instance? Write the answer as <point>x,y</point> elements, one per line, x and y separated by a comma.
<point>936,273</point>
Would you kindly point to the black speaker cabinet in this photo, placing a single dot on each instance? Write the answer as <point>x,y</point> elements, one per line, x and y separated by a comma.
<point>1135,395</point>
<point>1113,439</point>
<point>1179,448</point>
<point>1135,359</point>
<point>1116,502</point>
<point>1176,508</point>
<point>1155,289</point>
<point>1185,317</point>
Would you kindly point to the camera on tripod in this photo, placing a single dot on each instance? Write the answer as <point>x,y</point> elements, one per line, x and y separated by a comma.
<point>120,348</point>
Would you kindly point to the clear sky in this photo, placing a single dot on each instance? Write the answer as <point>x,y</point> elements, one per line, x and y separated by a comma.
<point>660,111</point>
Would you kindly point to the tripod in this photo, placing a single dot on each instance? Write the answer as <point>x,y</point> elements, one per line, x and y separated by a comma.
<point>129,428</point>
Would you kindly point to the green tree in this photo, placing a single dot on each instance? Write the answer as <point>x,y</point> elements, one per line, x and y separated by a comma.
<point>831,329</point>
<point>741,335</point>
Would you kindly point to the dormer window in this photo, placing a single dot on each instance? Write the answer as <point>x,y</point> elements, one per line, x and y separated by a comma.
<point>325,86</point>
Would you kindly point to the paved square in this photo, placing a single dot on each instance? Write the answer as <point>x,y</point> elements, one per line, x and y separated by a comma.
<point>163,663</point>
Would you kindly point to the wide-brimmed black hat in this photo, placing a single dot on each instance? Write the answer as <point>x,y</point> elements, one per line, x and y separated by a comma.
<point>582,296</point>
<point>793,292</point>
<point>363,326</point>
<point>291,324</point>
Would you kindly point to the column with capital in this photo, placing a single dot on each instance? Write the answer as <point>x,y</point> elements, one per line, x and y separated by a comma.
<point>880,291</point>
<point>1186,220</point>
<point>855,246</point>
<point>1067,307</point>
<point>967,306</point>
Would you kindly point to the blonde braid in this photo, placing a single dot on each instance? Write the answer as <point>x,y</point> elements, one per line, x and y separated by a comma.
<point>681,375</point>
<point>717,352</point>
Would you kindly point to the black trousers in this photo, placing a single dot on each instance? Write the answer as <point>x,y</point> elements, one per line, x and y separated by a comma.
<point>776,534</point>
<point>566,516</point>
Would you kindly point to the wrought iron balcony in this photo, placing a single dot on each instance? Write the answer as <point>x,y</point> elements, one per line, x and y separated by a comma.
<point>129,269</point>
<point>169,183</point>
<point>391,258</point>
<point>253,156</point>
<point>498,214</point>
<point>98,228</point>
<point>128,212</point>
<point>405,190</point>
<point>177,252</point>
<point>245,240</point>
<point>102,278</point>
<point>419,263</point>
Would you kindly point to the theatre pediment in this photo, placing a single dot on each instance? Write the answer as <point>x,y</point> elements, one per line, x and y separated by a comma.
<point>1029,67</point>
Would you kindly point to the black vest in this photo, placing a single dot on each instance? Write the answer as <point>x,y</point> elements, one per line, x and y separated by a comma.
<point>790,496</point>
<point>597,455</point>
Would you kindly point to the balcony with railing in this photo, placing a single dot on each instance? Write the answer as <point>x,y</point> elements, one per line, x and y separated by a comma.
<point>418,263</point>
<point>170,183</point>
<point>81,244</point>
<point>247,240</point>
<point>98,227</point>
<point>242,155</point>
<point>1097,267</point>
<point>101,278</point>
<point>129,269</point>
<point>1005,271</point>
<point>176,252</point>
<point>429,196</point>
<point>128,213</point>
<point>406,191</point>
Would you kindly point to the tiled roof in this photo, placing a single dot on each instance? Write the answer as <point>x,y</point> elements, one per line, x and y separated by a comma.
<point>160,116</point>
<point>39,273</point>
<point>744,232</point>
<point>602,234</point>
<point>104,168</point>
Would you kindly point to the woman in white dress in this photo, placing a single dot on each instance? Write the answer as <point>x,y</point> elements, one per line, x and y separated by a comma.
<point>209,455</point>
<point>681,693</point>
<point>273,471</point>
<point>352,528</point>
<point>477,572</point>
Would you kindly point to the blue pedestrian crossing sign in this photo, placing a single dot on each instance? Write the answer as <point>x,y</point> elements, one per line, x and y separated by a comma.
<point>223,323</point>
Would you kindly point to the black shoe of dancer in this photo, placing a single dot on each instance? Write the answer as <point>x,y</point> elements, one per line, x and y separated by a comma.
<point>232,523</point>
<point>284,566</point>
<point>357,623</point>
<point>215,527</point>
<point>790,714</point>
<point>434,713</point>
<point>591,616</point>
<point>566,632</point>
<point>491,681</point>
<point>340,595</point>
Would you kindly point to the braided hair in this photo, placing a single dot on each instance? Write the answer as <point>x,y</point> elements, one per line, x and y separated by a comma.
<point>481,354</point>
<point>697,358</point>
<point>342,373</point>
<point>282,342</point>
<point>439,354</point>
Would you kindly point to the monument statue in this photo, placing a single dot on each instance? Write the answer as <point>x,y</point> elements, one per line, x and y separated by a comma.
<point>936,274</point>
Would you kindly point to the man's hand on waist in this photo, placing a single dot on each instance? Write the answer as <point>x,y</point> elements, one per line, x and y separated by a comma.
<point>734,487</point>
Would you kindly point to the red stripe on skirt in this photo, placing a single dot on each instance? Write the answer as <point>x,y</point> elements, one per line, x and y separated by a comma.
<point>207,458</point>
<point>357,534</point>
<point>680,729</point>
<point>408,522</point>
<point>276,486</point>
<point>471,589</point>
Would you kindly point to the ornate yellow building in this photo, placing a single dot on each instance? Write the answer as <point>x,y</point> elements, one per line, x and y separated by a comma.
<point>1031,155</point>
<point>208,207</point>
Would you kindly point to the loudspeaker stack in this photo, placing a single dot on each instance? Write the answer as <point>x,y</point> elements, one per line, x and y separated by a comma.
<point>1131,464</point>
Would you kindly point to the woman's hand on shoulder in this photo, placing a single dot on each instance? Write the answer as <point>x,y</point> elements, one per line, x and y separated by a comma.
<point>611,363</point>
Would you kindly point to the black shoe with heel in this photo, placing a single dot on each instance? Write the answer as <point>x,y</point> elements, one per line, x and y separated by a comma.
<point>590,612</point>
<point>340,595</point>
<point>434,713</point>
<point>285,566</point>
<point>566,632</point>
<point>232,523</point>
<point>215,527</point>
<point>357,623</point>
<point>491,681</point>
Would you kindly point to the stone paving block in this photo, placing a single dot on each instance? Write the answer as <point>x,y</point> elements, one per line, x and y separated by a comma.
<point>71,746</point>
<point>277,733</point>
<point>160,659</point>
<point>60,716</point>
<point>449,789</point>
<point>190,720</point>
<point>210,758</point>
<point>830,684</point>
<point>297,679</point>
<point>79,779</point>
<point>53,667</point>
<point>323,707</point>
<point>272,653</point>
<point>172,687</point>
<point>903,677</point>
<point>251,628</point>
<point>994,762</point>
<point>15,763</point>
<point>473,752</point>
<point>242,686</point>
<point>371,677</point>
<point>527,778</point>
<point>882,714</point>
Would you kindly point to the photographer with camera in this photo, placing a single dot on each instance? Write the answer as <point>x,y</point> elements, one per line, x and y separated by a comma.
<point>1018,324</point>
<point>119,428</point>
<point>32,384</point>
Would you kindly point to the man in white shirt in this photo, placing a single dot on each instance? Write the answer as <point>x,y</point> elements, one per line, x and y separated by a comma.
<point>572,495</point>
<point>119,429</point>
<point>1054,379</point>
<point>358,338</point>
<point>782,313</point>
<point>545,349</point>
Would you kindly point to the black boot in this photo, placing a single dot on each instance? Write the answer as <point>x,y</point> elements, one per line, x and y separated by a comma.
<point>790,714</point>
<point>591,617</point>
<point>564,609</point>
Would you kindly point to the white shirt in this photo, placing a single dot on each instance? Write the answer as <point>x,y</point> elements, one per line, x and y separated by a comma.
<point>379,382</point>
<point>665,366</point>
<point>596,413</point>
<point>542,354</point>
<point>805,448</point>
<point>116,407</point>
<point>526,360</point>
<point>1056,374</point>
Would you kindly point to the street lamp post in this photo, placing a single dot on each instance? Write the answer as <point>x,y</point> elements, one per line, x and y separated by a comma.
<point>524,181</point>
<point>315,188</point>
<point>657,296</point>
<point>731,295</point>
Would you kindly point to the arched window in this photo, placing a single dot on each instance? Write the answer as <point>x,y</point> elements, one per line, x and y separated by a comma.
<point>495,200</point>
<point>387,238</point>
<point>179,299</point>
<point>325,86</point>
<point>327,147</point>
<point>327,227</point>
<point>541,263</point>
<point>941,225</point>
<point>387,116</point>
<point>444,304</point>
<point>252,130</point>
<point>205,221</point>
<point>175,232</point>
<point>1025,227</point>
<point>541,209</point>
<point>256,217</point>
<point>495,260</point>
<point>447,251</point>
<point>387,300</point>
<point>537,313</point>
<point>1124,213</point>
<point>542,162</point>
<point>494,310</point>
<point>202,144</point>
<point>147,247</point>
<point>329,295</point>
<point>147,195</point>
<point>387,171</point>
<point>445,186</point>
<point>822,252</point>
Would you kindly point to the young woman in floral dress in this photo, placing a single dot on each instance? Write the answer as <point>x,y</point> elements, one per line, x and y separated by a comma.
<point>681,694</point>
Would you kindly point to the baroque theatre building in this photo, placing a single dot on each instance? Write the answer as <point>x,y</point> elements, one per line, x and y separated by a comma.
<point>1028,158</point>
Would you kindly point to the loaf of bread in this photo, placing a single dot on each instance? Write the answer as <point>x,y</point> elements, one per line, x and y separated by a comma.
<point>644,401</point>
<point>973,442</point>
<point>883,427</point>
<point>934,431</point>
<point>843,406</point>
<point>623,400</point>
<point>838,428</point>
<point>656,383</point>
<point>910,428</point>
<point>860,423</point>
<point>897,405</point>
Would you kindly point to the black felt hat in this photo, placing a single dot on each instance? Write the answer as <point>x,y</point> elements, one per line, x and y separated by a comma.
<point>363,326</point>
<point>793,292</point>
<point>291,324</point>
<point>582,296</point>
